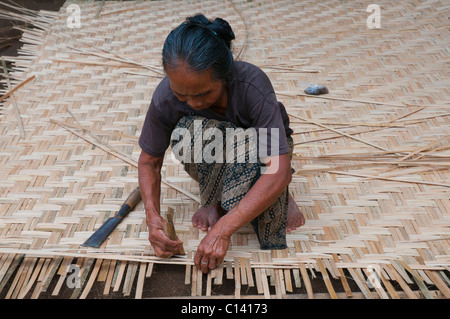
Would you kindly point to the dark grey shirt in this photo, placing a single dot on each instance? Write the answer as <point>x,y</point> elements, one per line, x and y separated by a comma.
<point>251,103</point>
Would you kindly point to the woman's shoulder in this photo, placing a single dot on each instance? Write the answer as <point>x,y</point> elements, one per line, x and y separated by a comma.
<point>249,75</point>
<point>163,92</point>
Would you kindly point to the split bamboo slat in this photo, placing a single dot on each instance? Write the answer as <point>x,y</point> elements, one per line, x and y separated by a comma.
<point>371,156</point>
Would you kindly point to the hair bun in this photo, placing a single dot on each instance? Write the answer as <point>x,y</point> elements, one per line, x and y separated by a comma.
<point>223,29</point>
<point>219,26</point>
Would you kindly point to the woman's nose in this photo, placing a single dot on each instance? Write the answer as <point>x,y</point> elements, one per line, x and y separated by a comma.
<point>194,103</point>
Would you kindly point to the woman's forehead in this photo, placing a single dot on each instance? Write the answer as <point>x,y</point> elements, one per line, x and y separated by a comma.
<point>187,82</point>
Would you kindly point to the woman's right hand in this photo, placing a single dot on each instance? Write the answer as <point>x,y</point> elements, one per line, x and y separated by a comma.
<point>163,246</point>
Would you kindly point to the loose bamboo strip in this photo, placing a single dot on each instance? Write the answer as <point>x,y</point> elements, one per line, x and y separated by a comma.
<point>218,278</point>
<point>343,125</point>
<point>406,115</point>
<point>194,282</point>
<point>306,281</point>
<point>119,277</point>
<point>19,278</point>
<point>121,11</point>
<point>40,281</point>
<point>125,158</point>
<point>16,107</point>
<point>199,282</point>
<point>209,283</point>
<point>429,146</point>
<point>333,137</point>
<point>141,279</point>
<point>129,278</point>
<point>148,274</point>
<point>341,99</point>
<point>32,280</point>
<point>342,277</point>
<point>100,7</point>
<point>392,292</point>
<point>120,59</point>
<point>18,86</point>
<point>237,278</point>
<point>187,277</point>
<point>63,273</point>
<point>279,285</point>
<point>419,280</point>
<point>109,278</point>
<point>241,16</point>
<point>85,269</point>
<point>12,261</point>
<point>103,273</point>
<point>326,278</point>
<point>341,133</point>
<point>390,179</point>
<point>87,62</point>
<point>92,278</point>
<point>243,271</point>
<point>440,284</point>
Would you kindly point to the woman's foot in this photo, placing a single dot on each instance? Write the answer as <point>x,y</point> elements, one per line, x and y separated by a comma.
<point>205,217</point>
<point>295,217</point>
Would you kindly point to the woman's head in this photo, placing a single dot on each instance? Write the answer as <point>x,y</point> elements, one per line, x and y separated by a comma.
<point>201,45</point>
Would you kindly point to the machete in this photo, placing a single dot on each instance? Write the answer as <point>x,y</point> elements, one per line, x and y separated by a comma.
<point>103,232</point>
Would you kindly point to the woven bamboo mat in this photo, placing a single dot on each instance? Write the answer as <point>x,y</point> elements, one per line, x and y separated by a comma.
<point>372,156</point>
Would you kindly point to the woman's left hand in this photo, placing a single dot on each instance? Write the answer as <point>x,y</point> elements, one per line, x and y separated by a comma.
<point>212,249</point>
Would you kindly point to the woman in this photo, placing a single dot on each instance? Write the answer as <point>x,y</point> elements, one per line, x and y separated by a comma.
<point>205,89</point>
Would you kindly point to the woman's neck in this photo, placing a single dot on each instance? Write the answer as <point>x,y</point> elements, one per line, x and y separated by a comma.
<point>221,106</point>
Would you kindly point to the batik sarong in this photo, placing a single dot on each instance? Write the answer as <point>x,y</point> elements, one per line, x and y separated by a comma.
<point>198,146</point>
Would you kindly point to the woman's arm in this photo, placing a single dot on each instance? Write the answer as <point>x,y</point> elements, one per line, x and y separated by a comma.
<point>149,172</point>
<point>264,192</point>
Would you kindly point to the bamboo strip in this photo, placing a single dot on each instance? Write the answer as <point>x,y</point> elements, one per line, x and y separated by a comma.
<point>390,179</point>
<point>87,264</point>
<point>141,279</point>
<point>17,87</point>
<point>237,279</point>
<point>109,278</point>
<point>16,107</point>
<point>31,281</point>
<point>119,277</point>
<point>326,279</point>
<point>64,266</point>
<point>209,282</point>
<point>342,277</point>
<point>92,278</point>
<point>125,158</point>
<point>194,282</point>
<point>342,99</point>
<point>440,284</point>
<point>129,278</point>
<point>306,281</point>
<point>341,133</point>
<point>401,282</point>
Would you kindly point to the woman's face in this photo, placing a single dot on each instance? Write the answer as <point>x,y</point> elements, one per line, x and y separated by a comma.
<point>198,89</point>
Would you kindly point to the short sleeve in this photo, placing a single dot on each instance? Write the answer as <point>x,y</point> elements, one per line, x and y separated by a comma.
<point>155,136</point>
<point>269,125</point>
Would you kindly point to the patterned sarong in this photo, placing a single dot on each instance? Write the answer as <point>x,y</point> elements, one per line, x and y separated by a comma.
<point>224,182</point>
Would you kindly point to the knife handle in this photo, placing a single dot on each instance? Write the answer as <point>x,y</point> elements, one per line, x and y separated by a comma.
<point>131,201</point>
